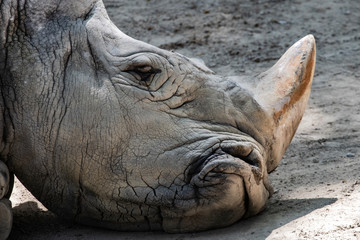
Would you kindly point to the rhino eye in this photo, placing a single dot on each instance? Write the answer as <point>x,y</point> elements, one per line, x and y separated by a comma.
<point>143,73</point>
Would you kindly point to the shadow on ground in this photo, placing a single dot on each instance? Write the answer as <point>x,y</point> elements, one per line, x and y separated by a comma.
<point>33,223</point>
<point>278,213</point>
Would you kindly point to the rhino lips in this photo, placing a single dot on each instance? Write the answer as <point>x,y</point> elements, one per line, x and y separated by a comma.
<point>229,164</point>
<point>244,161</point>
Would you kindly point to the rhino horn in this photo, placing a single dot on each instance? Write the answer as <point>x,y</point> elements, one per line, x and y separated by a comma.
<point>283,92</point>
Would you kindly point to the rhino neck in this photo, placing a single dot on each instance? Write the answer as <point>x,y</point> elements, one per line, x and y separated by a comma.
<point>8,26</point>
<point>17,51</point>
<point>6,127</point>
<point>37,43</point>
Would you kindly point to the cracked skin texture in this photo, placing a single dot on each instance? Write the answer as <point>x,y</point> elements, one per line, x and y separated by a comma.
<point>109,131</point>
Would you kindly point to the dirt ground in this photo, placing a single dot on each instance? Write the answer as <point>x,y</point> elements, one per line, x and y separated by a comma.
<point>318,182</point>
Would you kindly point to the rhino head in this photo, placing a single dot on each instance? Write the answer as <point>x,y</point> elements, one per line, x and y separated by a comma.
<point>113,132</point>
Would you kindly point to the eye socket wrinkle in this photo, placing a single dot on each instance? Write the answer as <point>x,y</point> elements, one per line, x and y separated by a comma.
<point>143,73</point>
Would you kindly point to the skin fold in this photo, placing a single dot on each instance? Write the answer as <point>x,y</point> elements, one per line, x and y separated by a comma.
<point>109,131</point>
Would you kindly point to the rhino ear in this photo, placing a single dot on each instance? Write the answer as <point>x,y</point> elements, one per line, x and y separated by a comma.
<point>283,92</point>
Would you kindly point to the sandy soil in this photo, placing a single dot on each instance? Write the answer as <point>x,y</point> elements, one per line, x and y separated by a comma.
<point>318,182</point>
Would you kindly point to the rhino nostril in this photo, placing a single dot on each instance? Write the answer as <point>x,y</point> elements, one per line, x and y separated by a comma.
<point>252,159</point>
<point>244,151</point>
<point>236,149</point>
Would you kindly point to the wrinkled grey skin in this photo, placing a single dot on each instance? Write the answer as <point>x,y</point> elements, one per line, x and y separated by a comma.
<point>113,132</point>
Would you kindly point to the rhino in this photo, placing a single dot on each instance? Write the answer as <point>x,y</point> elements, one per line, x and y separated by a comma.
<point>109,131</point>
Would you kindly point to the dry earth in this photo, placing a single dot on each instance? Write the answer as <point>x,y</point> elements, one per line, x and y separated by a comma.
<point>318,182</point>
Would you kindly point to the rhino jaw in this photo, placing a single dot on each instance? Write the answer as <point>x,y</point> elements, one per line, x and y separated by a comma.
<point>231,184</point>
<point>283,92</point>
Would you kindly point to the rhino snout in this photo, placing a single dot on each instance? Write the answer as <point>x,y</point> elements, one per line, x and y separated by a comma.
<point>227,187</point>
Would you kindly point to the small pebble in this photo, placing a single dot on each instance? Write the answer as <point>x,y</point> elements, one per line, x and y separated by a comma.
<point>346,12</point>
<point>350,155</point>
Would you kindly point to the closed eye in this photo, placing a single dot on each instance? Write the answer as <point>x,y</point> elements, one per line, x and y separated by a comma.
<point>143,73</point>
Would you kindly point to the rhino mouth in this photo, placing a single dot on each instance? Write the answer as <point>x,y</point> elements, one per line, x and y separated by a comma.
<point>242,160</point>
<point>232,157</point>
<point>230,184</point>
<point>228,164</point>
